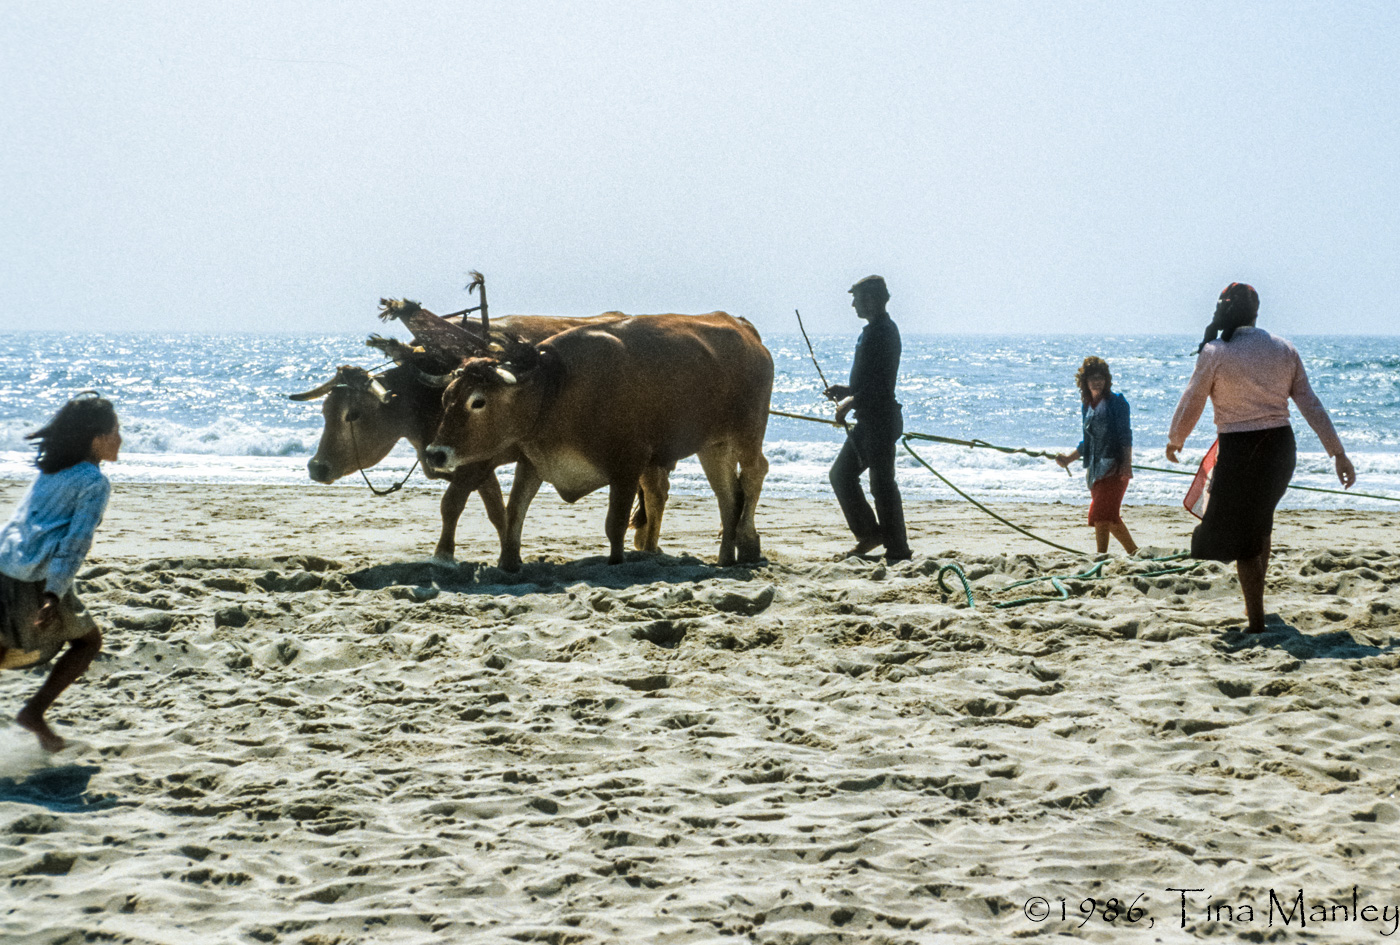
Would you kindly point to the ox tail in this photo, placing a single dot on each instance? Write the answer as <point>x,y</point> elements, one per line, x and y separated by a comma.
<point>639,516</point>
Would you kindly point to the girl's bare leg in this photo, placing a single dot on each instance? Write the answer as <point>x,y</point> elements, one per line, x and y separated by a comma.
<point>72,664</point>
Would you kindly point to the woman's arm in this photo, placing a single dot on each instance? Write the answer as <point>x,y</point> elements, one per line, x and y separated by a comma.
<point>1192,403</point>
<point>1064,459</point>
<point>1312,410</point>
<point>1123,431</point>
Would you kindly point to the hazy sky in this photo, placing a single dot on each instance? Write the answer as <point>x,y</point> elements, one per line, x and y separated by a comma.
<point>1024,167</point>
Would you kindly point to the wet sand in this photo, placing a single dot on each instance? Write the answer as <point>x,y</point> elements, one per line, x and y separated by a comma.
<point>300,732</point>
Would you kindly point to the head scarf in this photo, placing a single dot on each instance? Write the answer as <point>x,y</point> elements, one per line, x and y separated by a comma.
<point>1238,306</point>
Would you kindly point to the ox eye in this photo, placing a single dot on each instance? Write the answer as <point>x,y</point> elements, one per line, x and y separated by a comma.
<point>352,416</point>
<point>477,403</point>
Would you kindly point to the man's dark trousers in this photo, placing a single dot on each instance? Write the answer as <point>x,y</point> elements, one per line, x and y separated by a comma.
<point>871,445</point>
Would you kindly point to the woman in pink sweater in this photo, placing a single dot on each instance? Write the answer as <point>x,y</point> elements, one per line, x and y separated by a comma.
<point>1249,376</point>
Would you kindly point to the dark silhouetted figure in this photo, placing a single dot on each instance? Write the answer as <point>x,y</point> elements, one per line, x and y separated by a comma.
<point>879,425</point>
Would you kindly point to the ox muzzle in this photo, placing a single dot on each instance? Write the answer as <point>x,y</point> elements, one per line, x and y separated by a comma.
<point>319,470</point>
<point>440,459</point>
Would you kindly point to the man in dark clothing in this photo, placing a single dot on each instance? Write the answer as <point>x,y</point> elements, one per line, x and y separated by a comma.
<point>879,425</point>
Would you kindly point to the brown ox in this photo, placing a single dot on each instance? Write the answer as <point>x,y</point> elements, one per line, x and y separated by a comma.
<point>612,404</point>
<point>366,415</point>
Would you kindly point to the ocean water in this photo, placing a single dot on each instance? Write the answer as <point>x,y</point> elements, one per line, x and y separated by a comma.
<point>213,408</point>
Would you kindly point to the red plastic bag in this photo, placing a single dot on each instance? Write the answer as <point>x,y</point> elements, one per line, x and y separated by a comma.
<point>1198,496</point>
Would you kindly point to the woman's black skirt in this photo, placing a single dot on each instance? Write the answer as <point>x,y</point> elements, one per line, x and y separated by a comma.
<point>1252,472</point>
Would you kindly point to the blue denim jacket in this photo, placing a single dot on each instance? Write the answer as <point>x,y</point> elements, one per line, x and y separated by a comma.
<point>51,530</point>
<point>1107,447</point>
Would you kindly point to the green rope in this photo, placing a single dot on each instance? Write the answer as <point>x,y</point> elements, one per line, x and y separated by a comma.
<point>802,416</point>
<point>1095,572</point>
<point>981,444</point>
<point>1092,573</point>
<point>1088,575</point>
<point>1028,534</point>
<point>1054,582</point>
<point>1358,495</point>
<point>1041,454</point>
<point>956,569</point>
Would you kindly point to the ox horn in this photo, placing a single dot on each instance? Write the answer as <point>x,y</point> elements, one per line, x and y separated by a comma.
<point>379,392</point>
<point>506,376</point>
<point>315,392</point>
<point>434,380</point>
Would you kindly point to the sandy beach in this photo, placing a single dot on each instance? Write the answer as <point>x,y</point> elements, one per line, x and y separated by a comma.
<point>300,732</point>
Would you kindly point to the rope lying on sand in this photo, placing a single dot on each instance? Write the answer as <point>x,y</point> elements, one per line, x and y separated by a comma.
<point>1089,574</point>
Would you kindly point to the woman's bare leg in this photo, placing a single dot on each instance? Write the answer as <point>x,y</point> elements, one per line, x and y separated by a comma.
<point>1252,572</point>
<point>1120,531</point>
<point>1101,536</point>
<point>69,667</point>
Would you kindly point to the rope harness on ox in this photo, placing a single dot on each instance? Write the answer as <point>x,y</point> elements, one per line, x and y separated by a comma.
<point>355,448</point>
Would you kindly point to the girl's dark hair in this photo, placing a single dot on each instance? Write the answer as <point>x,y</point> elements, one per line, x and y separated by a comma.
<point>66,440</point>
<point>1093,367</point>
<point>1238,306</point>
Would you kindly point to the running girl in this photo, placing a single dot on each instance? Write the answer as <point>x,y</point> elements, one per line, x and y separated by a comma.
<point>43,546</point>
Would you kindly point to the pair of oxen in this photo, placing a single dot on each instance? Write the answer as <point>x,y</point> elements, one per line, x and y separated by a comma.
<point>581,403</point>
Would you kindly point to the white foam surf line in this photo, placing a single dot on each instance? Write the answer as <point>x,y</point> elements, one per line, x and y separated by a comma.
<point>798,469</point>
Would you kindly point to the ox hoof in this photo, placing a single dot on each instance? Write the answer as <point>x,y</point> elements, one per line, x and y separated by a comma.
<point>509,564</point>
<point>447,561</point>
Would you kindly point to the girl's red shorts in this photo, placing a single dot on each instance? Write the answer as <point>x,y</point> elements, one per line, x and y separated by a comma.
<point>1106,499</point>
